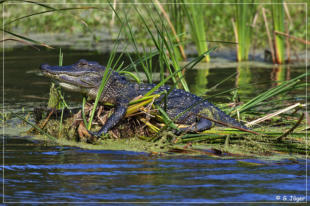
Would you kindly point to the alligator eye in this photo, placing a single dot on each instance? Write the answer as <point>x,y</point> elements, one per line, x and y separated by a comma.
<point>83,62</point>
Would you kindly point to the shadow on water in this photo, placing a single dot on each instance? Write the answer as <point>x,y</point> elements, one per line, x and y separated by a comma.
<point>34,172</point>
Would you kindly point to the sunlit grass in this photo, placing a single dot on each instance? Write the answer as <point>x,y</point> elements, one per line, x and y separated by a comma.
<point>278,26</point>
<point>196,19</point>
<point>244,17</point>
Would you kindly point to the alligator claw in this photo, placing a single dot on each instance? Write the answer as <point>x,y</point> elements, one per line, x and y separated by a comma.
<point>96,134</point>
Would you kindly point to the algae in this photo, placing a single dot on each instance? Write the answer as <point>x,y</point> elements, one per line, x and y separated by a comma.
<point>142,131</point>
<point>132,134</point>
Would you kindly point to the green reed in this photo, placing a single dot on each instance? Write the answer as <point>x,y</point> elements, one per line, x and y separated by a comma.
<point>196,19</point>
<point>111,65</point>
<point>284,87</point>
<point>164,43</point>
<point>177,17</point>
<point>277,9</point>
<point>244,18</point>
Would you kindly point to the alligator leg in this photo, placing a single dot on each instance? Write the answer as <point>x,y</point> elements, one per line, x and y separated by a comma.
<point>119,113</point>
<point>201,125</point>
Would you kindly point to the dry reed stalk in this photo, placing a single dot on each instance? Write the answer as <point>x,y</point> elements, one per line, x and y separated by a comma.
<point>269,116</point>
<point>269,35</point>
<point>236,34</point>
<point>293,37</point>
<point>172,28</point>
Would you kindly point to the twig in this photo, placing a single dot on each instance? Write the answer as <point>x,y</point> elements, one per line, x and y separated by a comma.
<point>36,127</point>
<point>47,118</point>
<point>20,41</point>
<point>293,37</point>
<point>292,129</point>
<point>269,116</point>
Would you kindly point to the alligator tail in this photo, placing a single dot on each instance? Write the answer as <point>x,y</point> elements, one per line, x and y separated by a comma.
<point>218,115</point>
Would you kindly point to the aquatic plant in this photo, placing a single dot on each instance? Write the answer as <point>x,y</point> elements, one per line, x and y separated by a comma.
<point>278,26</point>
<point>175,20</point>
<point>196,19</point>
<point>111,65</point>
<point>243,29</point>
<point>284,87</point>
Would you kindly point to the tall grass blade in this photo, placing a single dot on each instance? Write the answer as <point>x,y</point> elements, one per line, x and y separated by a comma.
<point>48,11</point>
<point>190,65</point>
<point>27,39</point>
<point>195,16</point>
<point>162,45</point>
<point>244,18</point>
<point>278,26</point>
<point>106,75</point>
<point>284,87</point>
<point>180,53</point>
<point>130,35</point>
<point>36,127</point>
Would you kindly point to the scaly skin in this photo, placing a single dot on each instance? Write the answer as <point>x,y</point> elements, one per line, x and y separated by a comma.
<point>85,77</point>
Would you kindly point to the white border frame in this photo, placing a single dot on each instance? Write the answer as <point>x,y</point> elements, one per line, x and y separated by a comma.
<point>82,3</point>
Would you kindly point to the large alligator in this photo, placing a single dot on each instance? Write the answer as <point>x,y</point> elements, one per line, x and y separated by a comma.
<point>181,106</point>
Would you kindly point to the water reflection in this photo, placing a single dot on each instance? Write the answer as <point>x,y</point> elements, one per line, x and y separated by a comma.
<point>198,83</point>
<point>280,73</point>
<point>244,80</point>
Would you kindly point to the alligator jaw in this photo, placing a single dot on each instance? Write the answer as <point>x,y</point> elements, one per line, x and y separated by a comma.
<point>70,87</point>
<point>77,77</point>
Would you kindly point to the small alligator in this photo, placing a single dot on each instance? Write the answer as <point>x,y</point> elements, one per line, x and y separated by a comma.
<point>86,76</point>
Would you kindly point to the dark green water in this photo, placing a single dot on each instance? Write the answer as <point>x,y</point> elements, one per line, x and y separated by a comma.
<point>37,173</point>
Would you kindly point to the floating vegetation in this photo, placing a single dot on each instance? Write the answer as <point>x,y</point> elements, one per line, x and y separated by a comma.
<point>144,125</point>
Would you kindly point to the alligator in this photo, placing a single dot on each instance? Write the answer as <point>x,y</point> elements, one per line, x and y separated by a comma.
<point>181,106</point>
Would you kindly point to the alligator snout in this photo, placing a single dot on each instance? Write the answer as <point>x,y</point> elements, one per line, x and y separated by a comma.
<point>44,66</point>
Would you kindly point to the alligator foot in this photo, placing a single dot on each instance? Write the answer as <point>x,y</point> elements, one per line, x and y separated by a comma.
<point>98,133</point>
<point>201,125</point>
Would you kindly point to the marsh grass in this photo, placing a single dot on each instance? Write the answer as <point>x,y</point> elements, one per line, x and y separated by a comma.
<point>244,17</point>
<point>165,46</point>
<point>284,87</point>
<point>111,65</point>
<point>175,23</point>
<point>277,9</point>
<point>196,19</point>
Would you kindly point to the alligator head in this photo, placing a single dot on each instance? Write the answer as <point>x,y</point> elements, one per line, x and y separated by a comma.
<point>82,77</point>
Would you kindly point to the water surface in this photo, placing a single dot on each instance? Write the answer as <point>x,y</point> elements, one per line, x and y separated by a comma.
<point>37,173</point>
